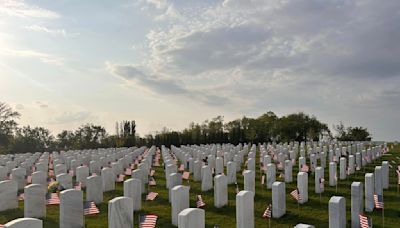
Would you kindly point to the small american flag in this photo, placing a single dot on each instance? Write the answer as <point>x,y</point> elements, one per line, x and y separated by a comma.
<point>51,173</point>
<point>78,186</point>
<point>365,222</point>
<point>152,172</point>
<point>120,178</point>
<point>152,181</point>
<point>398,176</point>
<point>128,171</point>
<point>151,196</point>
<point>148,221</point>
<point>71,172</point>
<point>52,199</point>
<point>181,168</point>
<point>321,182</point>
<point>268,212</point>
<point>378,200</point>
<point>304,168</point>
<point>94,174</point>
<point>296,194</point>
<point>199,202</point>
<point>29,179</point>
<point>185,175</point>
<point>21,197</point>
<point>2,226</point>
<point>90,208</point>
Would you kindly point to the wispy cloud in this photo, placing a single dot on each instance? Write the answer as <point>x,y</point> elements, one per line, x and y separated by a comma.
<point>43,57</point>
<point>56,32</point>
<point>20,8</point>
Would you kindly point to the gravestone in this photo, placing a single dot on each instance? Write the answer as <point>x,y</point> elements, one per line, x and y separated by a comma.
<point>378,180</point>
<point>19,176</point>
<point>231,171</point>
<point>302,186</point>
<point>356,203</point>
<point>249,177</point>
<point>337,212</point>
<point>319,174</point>
<point>94,189</point>
<point>179,201</point>
<point>278,199</point>
<point>175,179</point>
<point>60,169</point>
<point>206,181</point>
<point>3,173</point>
<point>245,209</point>
<point>108,178</point>
<point>8,195</point>
<point>24,223</point>
<point>191,218</point>
<point>35,201</point>
<point>343,168</point>
<point>82,172</point>
<point>196,170</point>
<point>271,175</point>
<point>220,191</point>
<point>40,177</point>
<point>133,189</point>
<point>385,174</point>
<point>288,171</point>
<point>369,192</point>
<point>65,180</point>
<point>71,208</point>
<point>332,174</point>
<point>120,212</point>
<point>219,165</point>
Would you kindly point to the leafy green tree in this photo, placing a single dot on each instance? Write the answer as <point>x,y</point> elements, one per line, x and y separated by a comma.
<point>89,136</point>
<point>28,139</point>
<point>8,125</point>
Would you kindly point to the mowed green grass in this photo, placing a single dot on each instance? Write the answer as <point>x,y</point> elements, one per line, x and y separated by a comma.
<point>314,212</point>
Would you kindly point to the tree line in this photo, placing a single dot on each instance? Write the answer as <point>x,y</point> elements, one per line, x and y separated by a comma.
<point>266,128</point>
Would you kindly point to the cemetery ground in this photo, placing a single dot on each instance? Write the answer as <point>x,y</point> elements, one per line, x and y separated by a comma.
<point>314,212</point>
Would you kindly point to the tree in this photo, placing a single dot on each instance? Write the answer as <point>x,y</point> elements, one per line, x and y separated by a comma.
<point>89,136</point>
<point>28,139</point>
<point>351,133</point>
<point>8,125</point>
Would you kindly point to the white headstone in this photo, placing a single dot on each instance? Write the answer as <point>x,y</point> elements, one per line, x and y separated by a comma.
<point>24,223</point>
<point>8,195</point>
<point>231,172</point>
<point>356,203</point>
<point>220,191</point>
<point>120,212</point>
<point>71,209</point>
<point>369,192</point>
<point>191,218</point>
<point>385,174</point>
<point>94,189</point>
<point>249,177</point>
<point>337,212</point>
<point>302,186</point>
<point>206,181</point>
<point>35,201</point>
<point>179,201</point>
<point>133,189</point>
<point>278,199</point>
<point>245,209</point>
<point>107,175</point>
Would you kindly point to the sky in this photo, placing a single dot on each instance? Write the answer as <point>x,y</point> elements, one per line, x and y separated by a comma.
<point>166,63</point>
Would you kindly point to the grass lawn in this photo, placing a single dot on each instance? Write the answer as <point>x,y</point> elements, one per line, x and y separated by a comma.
<point>313,212</point>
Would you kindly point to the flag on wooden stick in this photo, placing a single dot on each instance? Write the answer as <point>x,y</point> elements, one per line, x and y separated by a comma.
<point>185,175</point>
<point>268,212</point>
<point>90,208</point>
<point>296,194</point>
<point>52,199</point>
<point>365,222</point>
<point>151,196</point>
<point>378,200</point>
<point>148,221</point>
<point>199,202</point>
